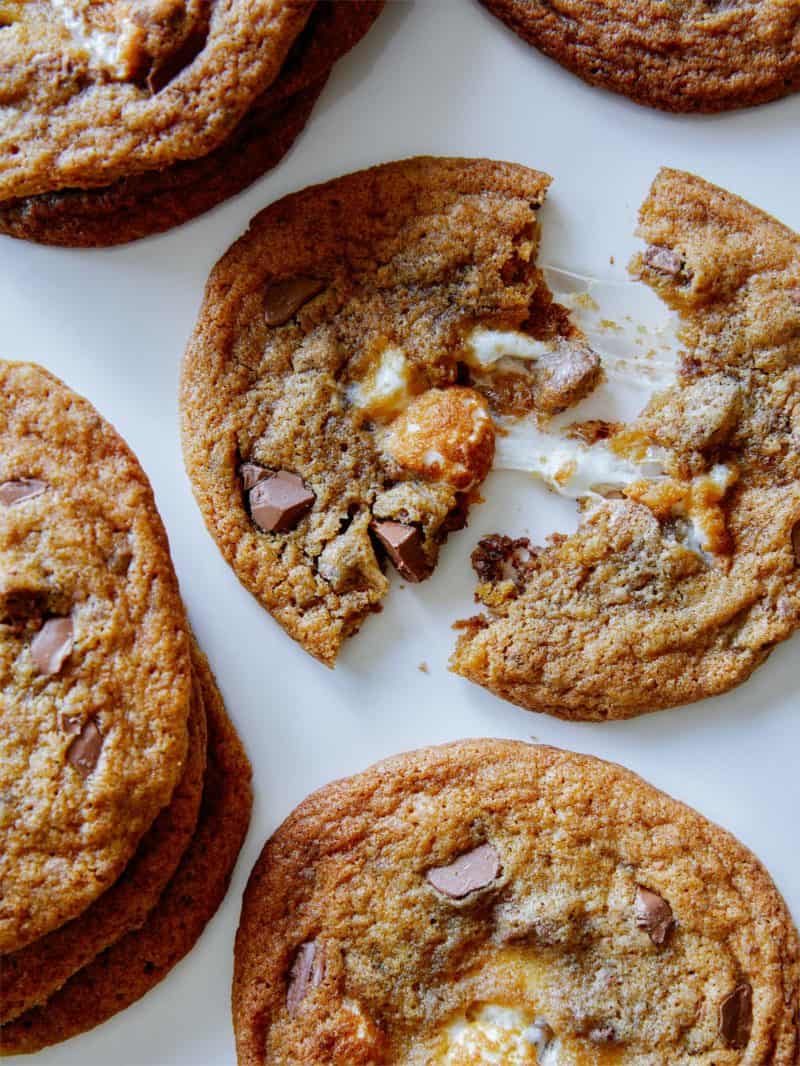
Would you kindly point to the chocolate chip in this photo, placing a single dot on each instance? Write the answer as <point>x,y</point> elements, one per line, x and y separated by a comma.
<point>84,751</point>
<point>566,375</point>
<point>796,542</point>
<point>403,544</point>
<point>308,970</point>
<point>252,473</point>
<point>278,503</point>
<point>169,67</point>
<point>499,558</point>
<point>24,488</point>
<point>653,914</point>
<point>284,298</point>
<point>51,645</point>
<point>22,605</point>
<point>736,1017</point>
<point>663,260</point>
<point>469,873</point>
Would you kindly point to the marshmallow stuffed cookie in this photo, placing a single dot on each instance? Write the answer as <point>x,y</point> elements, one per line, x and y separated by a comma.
<point>684,572</point>
<point>336,410</point>
<point>497,902</point>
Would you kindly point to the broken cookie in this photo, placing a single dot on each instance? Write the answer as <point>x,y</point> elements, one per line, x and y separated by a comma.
<point>353,356</point>
<point>682,575</point>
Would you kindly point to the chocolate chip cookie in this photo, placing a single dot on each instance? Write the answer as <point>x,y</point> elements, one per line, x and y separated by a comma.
<point>93,92</point>
<point>678,583</point>
<point>137,962</point>
<point>493,901</point>
<point>95,668</point>
<point>696,55</point>
<point>337,393</point>
<point>154,200</point>
<point>31,975</point>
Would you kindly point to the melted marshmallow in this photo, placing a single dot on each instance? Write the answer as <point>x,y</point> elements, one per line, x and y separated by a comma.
<point>498,1035</point>
<point>103,48</point>
<point>386,391</point>
<point>637,340</point>
<point>569,466</point>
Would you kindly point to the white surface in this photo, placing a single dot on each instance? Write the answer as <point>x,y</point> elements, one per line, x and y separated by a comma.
<point>444,77</point>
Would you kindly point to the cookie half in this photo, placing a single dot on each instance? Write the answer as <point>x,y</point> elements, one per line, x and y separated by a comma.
<point>497,901</point>
<point>95,92</point>
<point>30,976</point>
<point>95,666</point>
<point>335,414</point>
<point>679,583</point>
<point>136,963</point>
<point>697,55</point>
<point>150,202</point>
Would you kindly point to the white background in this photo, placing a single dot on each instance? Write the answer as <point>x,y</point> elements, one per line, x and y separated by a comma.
<point>440,77</point>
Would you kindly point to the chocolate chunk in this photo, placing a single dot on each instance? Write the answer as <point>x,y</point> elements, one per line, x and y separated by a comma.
<point>23,605</point>
<point>278,503</point>
<point>84,751</point>
<point>169,67</point>
<point>736,1017</point>
<point>284,298</point>
<point>796,542</point>
<point>51,645</point>
<point>662,260</point>
<point>653,914</point>
<point>566,375</point>
<point>252,473</point>
<point>404,546</point>
<point>499,558</point>
<point>24,488</point>
<point>469,873</point>
<point>308,970</point>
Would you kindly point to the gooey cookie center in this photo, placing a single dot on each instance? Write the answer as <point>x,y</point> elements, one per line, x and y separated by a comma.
<point>147,42</point>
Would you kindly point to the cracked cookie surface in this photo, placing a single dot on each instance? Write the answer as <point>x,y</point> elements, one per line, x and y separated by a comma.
<point>95,670</point>
<point>492,901</point>
<point>679,587</point>
<point>338,393</point>
<point>692,55</point>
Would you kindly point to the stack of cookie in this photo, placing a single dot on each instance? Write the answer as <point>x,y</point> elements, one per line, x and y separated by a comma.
<point>160,108</point>
<point>124,789</point>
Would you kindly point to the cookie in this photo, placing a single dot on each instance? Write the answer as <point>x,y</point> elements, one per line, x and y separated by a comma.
<point>127,87</point>
<point>493,901</point>
<point>334,402</point>
<point>680,587</point>
<point>30,976</point>
<point>136,963</point>
<point>697,55</point>
<point>95,669</point>
<point>150,202</point>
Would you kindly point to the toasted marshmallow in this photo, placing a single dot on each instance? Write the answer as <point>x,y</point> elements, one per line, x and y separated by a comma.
<point>444,435</point>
